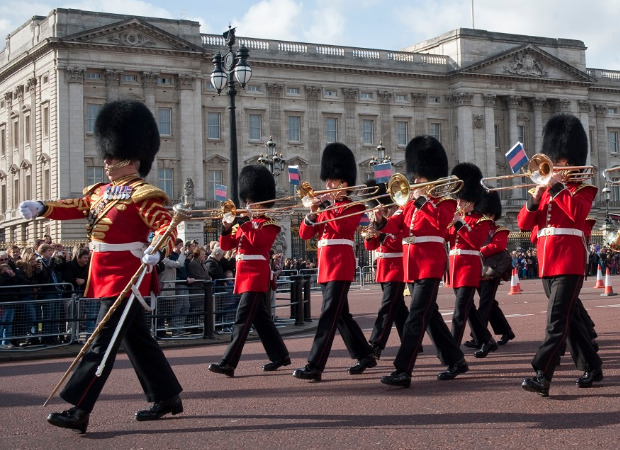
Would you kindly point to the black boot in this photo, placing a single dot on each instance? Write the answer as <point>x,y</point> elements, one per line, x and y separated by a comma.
<point>159,409</point>
<point>539,384</point>
<point>74,419</point>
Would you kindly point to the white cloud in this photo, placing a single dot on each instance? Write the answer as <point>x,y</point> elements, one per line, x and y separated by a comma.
<point>272,19</point>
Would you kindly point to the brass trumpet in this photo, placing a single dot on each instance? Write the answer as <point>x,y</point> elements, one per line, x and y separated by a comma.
<point>540,170</point>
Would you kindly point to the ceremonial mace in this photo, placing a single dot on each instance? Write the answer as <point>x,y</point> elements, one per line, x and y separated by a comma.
<point>181,212</point>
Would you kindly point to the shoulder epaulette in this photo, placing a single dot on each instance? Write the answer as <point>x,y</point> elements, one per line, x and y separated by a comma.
<point>502,229</point>
<point>143,191</point>
<point>483,219</point>
<point>444,198</point>
<point>92,188</point>
<point>270,222</point>
<point>584,185</point>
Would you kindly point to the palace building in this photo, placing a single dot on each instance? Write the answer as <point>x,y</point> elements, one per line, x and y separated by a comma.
<point>478,92</point>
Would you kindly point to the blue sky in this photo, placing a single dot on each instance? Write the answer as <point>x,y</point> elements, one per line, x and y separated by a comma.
<point>391,25</point>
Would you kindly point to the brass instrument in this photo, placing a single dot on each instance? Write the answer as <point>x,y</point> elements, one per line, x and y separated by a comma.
<point>308,195</point>
<point>540,170</point>
<point>228,211</point>
<point>609,180</point>
<point>612,240</point>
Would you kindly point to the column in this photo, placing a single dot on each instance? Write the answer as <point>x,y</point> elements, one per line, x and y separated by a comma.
<point>602,154</point>
<point>274,113</point>
<point>490,170</point>
<point>464,122</point>
<point>71,129</point>
<point>537,105</point>
<point>385,132</point>
<point>512,102</point>
<point>149,82</point>
<point>419,113</point>
<point>351,130</point>
<point>190,150</point>
<point>112,82</point>
<point>584,116</point>
<point>314,151</point>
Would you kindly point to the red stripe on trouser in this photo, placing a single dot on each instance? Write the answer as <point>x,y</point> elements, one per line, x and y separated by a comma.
<point>425,317</point>
<point>236,350</point>
<point>388,323</point>
<point>561,345</point>
<point>332,330</point>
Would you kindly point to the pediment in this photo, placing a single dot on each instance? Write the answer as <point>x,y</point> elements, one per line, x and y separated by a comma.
<point>216,160</point>
<point>527,61</point>
<point>132,33</point>
<point>297,161</point>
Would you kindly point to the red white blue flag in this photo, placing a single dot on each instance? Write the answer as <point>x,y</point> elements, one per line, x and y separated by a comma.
<point>220,192</point>
<point>516,157</point>
<point>364,222</point>
<point>383,172</point>
<point>293,175</point>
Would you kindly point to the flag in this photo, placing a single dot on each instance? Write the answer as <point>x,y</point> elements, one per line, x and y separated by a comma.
<point>516,157</point>
<point>293,175</point>
<point>365,221</point>
<point>220,192</point>
<point>383,172</point>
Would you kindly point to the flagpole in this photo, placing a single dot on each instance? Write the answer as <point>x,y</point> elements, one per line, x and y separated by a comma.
<point>473,23</point>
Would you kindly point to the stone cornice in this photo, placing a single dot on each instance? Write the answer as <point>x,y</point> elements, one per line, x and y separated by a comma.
<point>75,74</point>
<point>186,81</point>
<point>350,95</point>
<point>584,106</point>
<point>489,100</point>
<point>419,98</point>
<point>384,96</point>
<point>313,92</point>
<point>275,90</point>
<point>112,77</point>
<point>149,79</point>
<point>460,98</point>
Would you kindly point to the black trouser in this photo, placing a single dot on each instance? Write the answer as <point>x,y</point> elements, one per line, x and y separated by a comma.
<point>424,316</point>
<point>488,308</point>
<point>392,311</point>
<point>251,310</point>
<point>564,326</point>
<point>462,313</point>
<point>152,368</point>
<point>335,315</point>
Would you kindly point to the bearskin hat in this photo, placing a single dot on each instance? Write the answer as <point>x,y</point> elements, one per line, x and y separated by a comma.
<point>256,184</point>
<point>471,175</point>
<point>426,157</point>
<point>126,129</point>
<point>338,163</point>
<point>381,193</point>
<point>491,205</point>
<point>565,138</point>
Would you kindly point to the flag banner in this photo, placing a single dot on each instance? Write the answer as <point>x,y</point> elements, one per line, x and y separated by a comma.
<point>516,157</point>
<point>383,172</point>
<point>220,192</point>
<point>293,175</point>
<point>364,221</point>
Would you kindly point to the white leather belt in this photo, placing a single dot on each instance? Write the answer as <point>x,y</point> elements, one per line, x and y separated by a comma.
<point>389,255</point>
<point>459,251</point>
<point>242,257</point>
<point>552,231</point>
<point>325,242</point>
<point>97,246</point>
<point>421,239</point>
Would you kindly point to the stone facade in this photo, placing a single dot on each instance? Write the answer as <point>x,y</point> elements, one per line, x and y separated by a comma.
<point>479,92</point>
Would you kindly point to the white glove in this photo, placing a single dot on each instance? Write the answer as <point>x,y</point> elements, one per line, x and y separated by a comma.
<point>30,209</point>
<point>149,259</point>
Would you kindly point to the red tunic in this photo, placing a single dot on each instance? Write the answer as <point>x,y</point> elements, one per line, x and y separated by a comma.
<point>498,242</point>
<point>560,246</point>
<point>423,259</point>
<point>466,269</point>
<point>335,253</point>
<point>389,257</point>
<point>117,221</point>
<point>253,240</point>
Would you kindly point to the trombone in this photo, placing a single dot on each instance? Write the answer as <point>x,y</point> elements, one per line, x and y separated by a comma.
<point>609,180</point>
<point>228,211</point>
<point>399,190</point>
<point>540,170</point>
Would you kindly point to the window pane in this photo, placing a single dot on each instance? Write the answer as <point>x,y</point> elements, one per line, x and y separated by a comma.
<point>435,131</point>
<point>165,181</point>
<point>213,125</point>
<point>164,121</point>
<point>401,133</point>
<point>294,129</point>
<point>214,177</point>
<point>331,130</point>
<point>91,115</point>
<point>94,175</point>
<point>613,142</point>
<point>255,127</point>
<point>367,131</point>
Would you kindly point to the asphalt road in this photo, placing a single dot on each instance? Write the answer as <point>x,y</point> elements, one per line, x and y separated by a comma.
<point>485,408</point>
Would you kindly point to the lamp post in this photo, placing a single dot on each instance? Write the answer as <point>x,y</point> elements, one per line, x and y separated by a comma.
<point>228,67</point>
<point>273,161</point>
<point>607,192</point>
<point>380,157</point>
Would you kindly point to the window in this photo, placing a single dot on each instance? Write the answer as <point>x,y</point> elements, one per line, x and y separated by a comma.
<point>164,121</point>
<point>255,127</point>
<point>15,134</point>
<point>367,131</point>
<point>93,76</point>
<point>45,119</point>
<point>27,130</point>
<point>496,131</point>
<point>16,192</point>
<point>28,187</point>
<point>45,79</point>
<point>253,88</point>
<point>329,93</point>
<point>130,78</point>
<point>213,125</point>
<point>401,98</point>
<point>92,111</point>
<point>613,141</point>
<point>213,177</point>
<point>164,81</point>
<point>331,129</point>
<point>435,130</point>
<point>612,111</point>
<point>166,181</point>
<point>293,91</point>
<point>365,96</point>
<point>3,141</point>
<point>521,134</point>
<point>209,86</point>
<point>432,99</point>
<point>94,175</point>
<point>294,129</point>
<point>401,133</point>
<point>3,198</point>
<point>46,182</point>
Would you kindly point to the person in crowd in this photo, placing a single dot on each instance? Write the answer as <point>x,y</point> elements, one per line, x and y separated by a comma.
<point>53,309</point>
<point>469,230</point>
<point>389,272</point>
<point>197,271</point>
<point>213,265</point>
<point>14,254</point>
<point>336,264</point>
<point>496,242</point>
<point>76,273</point>
<point>253,237</point>
<point>559,209</point>
<point>120,215</point>
<point>422,225</point>
<point>177,290</point>
<point>31,269</point>
<point>8,296</point>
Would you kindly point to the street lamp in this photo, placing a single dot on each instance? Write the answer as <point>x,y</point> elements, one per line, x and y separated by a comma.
<point>380,157</point>
<point>273,161</point>
<point>228,67</point>
<point>607,192</point>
